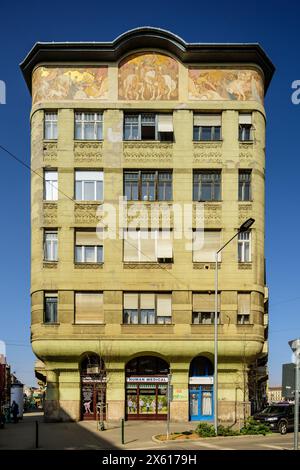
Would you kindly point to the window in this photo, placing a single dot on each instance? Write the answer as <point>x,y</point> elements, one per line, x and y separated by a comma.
<point>207,127</point>
<point>89,307</point>
<point>244,185</point>
<point>245,127</point>
<point>244,247</point>
<point>50,126</point>
<point>88,126</point>
<point>207,185</point>
<point>204,309</point>
<point>147,308</point>
<point>205,245</point>
<point>146,246</point>
<point>148,185</point>
<point>50,185</point>
<point>50,309</point>
<point>244,306</point>
<point>88,185</point>
<point>50,245</point>
<point>148,126</point>
<point>88,246</point>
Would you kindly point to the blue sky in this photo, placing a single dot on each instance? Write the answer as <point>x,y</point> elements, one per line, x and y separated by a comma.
<point>272,24</point>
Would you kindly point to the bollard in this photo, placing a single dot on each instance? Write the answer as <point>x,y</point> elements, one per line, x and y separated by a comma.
<point>122,431</point>
<point>36,434</point>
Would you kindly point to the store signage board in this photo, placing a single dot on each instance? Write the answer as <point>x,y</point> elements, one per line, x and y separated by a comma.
<point>201,380</point>
<point>147,379</point>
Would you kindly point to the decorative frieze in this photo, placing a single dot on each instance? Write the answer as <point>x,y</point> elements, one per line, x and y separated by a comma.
<point>244,265</point>
<point>88,152</point>
<point>88,265</point>
<point>206,265</point>
<point>207,152</point>
<point>155,215</point>
<point>49,265</point>
<point>148,151</point>
<point>50,152</point>
<point>50,213</point>
<point>147,265</point>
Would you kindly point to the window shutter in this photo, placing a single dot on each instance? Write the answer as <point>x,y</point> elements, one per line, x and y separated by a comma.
<point>148,301</point>
<point>244,303</point>
<point>89,308</point>
<point>207,119</point>
<point>147,246</point>
<point>89,238</point>
<point>131,301</point>
<point>51,175</point>
<point>205,302</point>
<point>51,294</point>
<point>89,175</point>
<point>165,123</point>
<point>205,245</point>
<point>164,248</point>
<point>164,305</point>
<point>245,118</point>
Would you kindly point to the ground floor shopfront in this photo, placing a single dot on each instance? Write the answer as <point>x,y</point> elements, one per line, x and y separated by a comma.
<point>138,390</point>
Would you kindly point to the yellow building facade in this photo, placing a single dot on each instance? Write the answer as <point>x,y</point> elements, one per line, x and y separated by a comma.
<point>147,135</point>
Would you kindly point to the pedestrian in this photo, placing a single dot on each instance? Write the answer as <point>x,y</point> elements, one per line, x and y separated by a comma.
<point>15,411</point>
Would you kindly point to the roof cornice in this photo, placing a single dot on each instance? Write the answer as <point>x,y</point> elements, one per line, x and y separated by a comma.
<point>147,37</point>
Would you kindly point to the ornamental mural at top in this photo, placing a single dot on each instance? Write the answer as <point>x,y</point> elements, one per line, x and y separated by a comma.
<point>146,77</point>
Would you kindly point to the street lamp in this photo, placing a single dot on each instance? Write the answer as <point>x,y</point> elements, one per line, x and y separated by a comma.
<point>295,346</point>
<point>243,228</point>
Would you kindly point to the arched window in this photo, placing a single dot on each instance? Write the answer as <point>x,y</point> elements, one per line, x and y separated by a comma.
<point>201,366</point>
<point>147,365</point>
<point>92,364</point>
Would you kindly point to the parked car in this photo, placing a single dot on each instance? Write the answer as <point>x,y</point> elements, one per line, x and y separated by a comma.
<point>279,416</point>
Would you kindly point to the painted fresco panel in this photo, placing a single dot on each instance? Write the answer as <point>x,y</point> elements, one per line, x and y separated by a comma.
<point>148,76</point>
<point>225,84</point>
<point>69,83</point>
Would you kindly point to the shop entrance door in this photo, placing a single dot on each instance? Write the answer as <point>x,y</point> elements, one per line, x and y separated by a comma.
<point>201,402</point>
<point>93,401</point>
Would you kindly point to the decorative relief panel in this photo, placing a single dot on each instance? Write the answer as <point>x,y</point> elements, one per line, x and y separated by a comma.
<point>87,213</point>
<point>205,265</point>
<point>225,84</point>
<point>69,83</point>
<point>147,151</point>
<point>144,215</point>
<point>211,216</point>
<point>50,151</point>
<point>245,151</point>
<point>148,76</point>
<point>245,212</point>
<point>88,152</point>
<point>49,265</point>
<point>209,152</point>
<point>50,213</point>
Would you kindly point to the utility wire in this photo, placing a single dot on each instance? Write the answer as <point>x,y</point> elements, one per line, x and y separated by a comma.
<point>73,200</point>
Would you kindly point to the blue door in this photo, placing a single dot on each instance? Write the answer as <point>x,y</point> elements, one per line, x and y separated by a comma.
<point>201,402</point>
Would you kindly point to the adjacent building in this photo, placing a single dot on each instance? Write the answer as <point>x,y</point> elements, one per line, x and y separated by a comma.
<point>147,154</point>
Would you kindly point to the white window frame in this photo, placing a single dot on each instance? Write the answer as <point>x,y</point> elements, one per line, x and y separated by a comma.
<point>81,118</point>
<point>50,186</point>
<point>52,243</point>
<point>83,181</point>
<point>83,256</point>
<point>51,118</point>
<point>242,242</point>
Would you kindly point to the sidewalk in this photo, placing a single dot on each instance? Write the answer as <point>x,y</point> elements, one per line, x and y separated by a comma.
<point>82,435</point>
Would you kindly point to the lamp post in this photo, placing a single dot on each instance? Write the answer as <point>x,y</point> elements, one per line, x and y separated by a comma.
<point>295,346</point>
<point>243,228</point>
